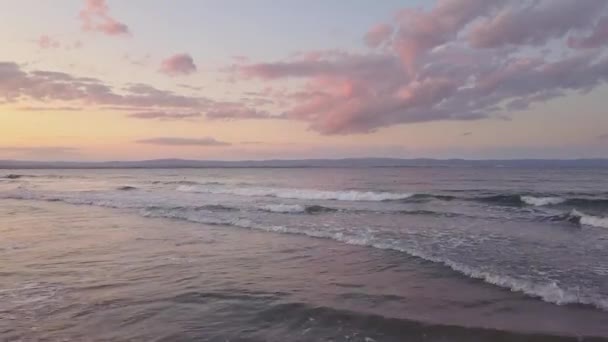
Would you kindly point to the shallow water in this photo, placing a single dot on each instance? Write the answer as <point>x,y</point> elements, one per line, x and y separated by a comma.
<point>304,254</point>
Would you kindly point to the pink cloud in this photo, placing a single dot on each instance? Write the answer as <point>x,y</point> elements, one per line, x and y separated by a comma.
<point>378,35</point>
<point>179,64</point>
<point>49,109</point>
<point>597,38</point>
<point>420,31</point>
<point>459,60</point>
<point>145,101</point>
<point>534,24</point>
<point>96,17</point>
<point>47,86</point>
<point>179,141</point>
<point>165,115</point>
<point>46,42</point>
<point>235,111</point>
<point>345,64</point>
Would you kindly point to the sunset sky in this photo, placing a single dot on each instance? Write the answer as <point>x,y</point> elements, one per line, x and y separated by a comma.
<point>238,79</point>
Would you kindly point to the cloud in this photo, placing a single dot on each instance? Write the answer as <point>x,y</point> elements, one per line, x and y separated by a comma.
<point>137,61</point>
<point>180,64</point>
<point>421,31</point>
<point>597,38</point>
<point>378,35</point>
<point>50,149</point>
<point>535,22</point>
<point>39,152</point>
<point>96,17</point>
<point>454,60</point>
<point>466,134</point>
<point>162,115</point>
<point>190,87</point>
<point>459,60</point>
<point>236,111</point>
<point>147,102</point>
<point>48,86</point>
<point>325,64</point>
<point>177,141</point>
<point>49,109</point>
<point>603,136</point>
<point>46,42</point>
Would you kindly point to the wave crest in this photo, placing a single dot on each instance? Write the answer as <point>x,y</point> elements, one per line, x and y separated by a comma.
<point>547,291</point>
<point>303,194</point>
<point>541,201</point>
<point>297,209</point>
<point>588,220</point>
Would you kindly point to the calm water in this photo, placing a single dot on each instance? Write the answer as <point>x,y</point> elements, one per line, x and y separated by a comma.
<point>388,254</point>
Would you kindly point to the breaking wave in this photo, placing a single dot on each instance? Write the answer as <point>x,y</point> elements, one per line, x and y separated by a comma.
<point>588,220</point>
<point>186,182</point>
<point>427,197</point>
<point>515,200</point>
<point>304,194</point>
<point>580,218</point>
<point>547,291</point>
<point>537,201</point>
<point>540,201</point>
<point>297,209</point>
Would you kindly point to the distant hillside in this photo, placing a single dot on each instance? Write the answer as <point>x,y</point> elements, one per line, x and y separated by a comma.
<point>340,163</point>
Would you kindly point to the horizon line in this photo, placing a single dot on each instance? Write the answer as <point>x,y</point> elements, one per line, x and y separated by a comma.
<point>295,163</point>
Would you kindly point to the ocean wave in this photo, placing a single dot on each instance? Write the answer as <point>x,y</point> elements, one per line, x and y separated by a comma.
<point>297,209</point>
<point>126,188</point>
<point>115,203</point>
<point>549,291</point>
<point>427,197</point>
<point>369,327</point>
<point>430,213</point>
<point>13,176</point>
<point>284,208</point>
<point>588,202</point>
<point>589,220</point>
<point>580,218</point>
<point>540,201</point>
<point>304,194</point>
<point>208,207</point>
<point>501,199</point>
<point>186,182</point>
<point>20,176</point>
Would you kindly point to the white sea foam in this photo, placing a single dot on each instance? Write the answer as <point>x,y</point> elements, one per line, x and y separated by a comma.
<point>100,202</point>
<point>549,291</point>
<point>304,194</point>
<point>590,220</point>
<point>285,208</point>
<point>540,201</point>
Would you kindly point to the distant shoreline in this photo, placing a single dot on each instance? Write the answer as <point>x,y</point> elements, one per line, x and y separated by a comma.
<point>305,163</point>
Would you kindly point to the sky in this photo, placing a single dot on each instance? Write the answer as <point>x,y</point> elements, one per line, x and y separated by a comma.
<point>264,79</point>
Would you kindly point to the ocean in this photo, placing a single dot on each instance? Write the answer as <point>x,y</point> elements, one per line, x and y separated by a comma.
<point>304,254</point>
